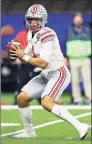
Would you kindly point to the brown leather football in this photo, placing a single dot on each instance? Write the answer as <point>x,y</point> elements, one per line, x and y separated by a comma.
<point>13,43</point>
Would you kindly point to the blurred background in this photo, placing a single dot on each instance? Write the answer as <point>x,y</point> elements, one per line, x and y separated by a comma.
<point>60,18</point>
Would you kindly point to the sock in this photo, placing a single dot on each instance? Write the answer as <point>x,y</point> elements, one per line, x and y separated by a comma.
<point>26,116</point>
<point>62,112</point>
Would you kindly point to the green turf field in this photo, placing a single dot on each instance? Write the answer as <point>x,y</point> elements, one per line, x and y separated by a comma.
<point>57,133</point>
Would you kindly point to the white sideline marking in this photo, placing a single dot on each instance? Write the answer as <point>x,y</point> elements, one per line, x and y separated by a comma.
<point>10,124</point>
<point>69,138</point>
<point>46,124</point>
<point>11,107</point>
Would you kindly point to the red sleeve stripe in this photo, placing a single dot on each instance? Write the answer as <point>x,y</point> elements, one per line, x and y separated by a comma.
<point>45,33</point>
<point>48,36</point>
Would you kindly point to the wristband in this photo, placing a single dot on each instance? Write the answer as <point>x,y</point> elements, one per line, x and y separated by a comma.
<point>26,58</point>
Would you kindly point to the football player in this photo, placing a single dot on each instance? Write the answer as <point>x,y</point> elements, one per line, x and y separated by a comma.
<point>43,51</point>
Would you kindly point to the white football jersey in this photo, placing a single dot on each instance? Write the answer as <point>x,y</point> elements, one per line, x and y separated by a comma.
<point>45,45</point>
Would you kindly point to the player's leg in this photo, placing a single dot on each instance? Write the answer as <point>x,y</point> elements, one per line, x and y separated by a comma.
<point>33,89</point>
<point>52,92</point>
<point>26,115</point>
<point>23,76</point>
<point>86,67</point>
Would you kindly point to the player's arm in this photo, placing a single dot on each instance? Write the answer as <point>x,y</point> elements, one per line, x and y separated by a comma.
<point>42,61</point>
<point>47,37</point>
<point>46,50</point>
<point>45,54</point>
<point>38,62</point>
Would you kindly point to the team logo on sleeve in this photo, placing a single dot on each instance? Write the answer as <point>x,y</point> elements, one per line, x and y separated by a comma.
<point>38,36</point>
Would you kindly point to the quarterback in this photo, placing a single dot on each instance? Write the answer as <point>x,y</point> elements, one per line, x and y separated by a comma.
<point>43,51</point>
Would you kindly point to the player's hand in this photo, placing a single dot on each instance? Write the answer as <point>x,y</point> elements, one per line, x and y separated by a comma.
<point>16,52</point>
<point>8,50</point>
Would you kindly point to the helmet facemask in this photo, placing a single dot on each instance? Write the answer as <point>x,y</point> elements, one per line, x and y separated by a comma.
<point>34,24</point>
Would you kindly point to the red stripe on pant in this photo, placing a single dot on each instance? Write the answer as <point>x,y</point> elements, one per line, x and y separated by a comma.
<point>59,83</point>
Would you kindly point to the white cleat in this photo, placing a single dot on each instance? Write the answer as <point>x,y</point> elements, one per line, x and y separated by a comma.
<point>83,131</point>
<point>25,135</point>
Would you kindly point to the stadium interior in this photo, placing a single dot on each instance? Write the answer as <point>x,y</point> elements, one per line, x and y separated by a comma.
<point>60,17</point>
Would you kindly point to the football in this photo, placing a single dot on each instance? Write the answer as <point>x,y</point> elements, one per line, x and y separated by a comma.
<point>13,43</point>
